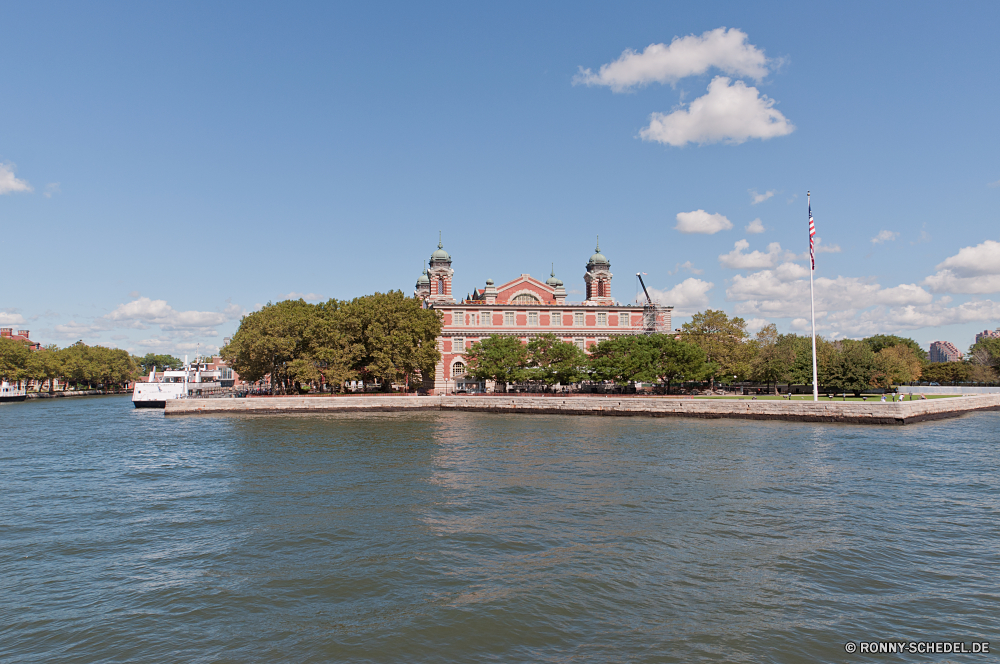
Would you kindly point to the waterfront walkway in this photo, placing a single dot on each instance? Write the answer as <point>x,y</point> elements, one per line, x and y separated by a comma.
<point>873,412</point>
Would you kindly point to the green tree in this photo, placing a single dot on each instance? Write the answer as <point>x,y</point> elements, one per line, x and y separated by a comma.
<point>500,359</point>
<point>669,359</point>
<point>723,339</point>
<point>897,364</point>
<point>551,361</point>
<point>268,340</point>
<point>393,335</point>
<point>947,372</point>
<point>620,359</point>
<point>46,365</point>
<point>150,360</point>
<point>773,359</point>
<point>13,360</point>
<point>852,367</point>
<point>880,341</point>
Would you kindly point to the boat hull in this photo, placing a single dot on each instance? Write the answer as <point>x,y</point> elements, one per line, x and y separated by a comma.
<point>149,404</point>
<point>16,397</point>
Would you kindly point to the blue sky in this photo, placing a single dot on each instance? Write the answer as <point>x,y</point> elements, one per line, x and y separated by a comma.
<point>166,169</point>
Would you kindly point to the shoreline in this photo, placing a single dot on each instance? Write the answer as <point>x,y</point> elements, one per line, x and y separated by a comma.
<point>74,393</point>
<point>873,413</point>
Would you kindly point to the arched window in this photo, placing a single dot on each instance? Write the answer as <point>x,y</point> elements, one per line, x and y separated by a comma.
<point>458,369</point>
<point>526,298</point>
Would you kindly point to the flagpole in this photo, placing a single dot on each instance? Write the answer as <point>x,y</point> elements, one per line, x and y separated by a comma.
<point>812,299</point>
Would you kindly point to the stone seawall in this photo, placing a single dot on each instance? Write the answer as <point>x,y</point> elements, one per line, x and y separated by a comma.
<point>874,412</point>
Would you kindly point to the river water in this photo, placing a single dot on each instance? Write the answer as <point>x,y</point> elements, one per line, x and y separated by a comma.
<point>457,537</point>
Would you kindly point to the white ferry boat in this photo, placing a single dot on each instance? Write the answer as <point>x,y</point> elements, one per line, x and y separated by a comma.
<point>12,392</point>
<point>193,380</point>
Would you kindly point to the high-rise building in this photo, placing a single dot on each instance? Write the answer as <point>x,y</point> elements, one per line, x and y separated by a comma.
<point>944,351</point>
<point>988,334</point>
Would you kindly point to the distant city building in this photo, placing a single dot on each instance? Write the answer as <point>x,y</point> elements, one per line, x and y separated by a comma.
<point>525,307</point>
<point>944,351</point>
<point>987,334</point>
<point>22,336</point>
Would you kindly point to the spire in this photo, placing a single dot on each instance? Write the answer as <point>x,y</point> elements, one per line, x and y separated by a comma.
<point>440,246</point>
<point>598,248</point>
<point>553,273</point>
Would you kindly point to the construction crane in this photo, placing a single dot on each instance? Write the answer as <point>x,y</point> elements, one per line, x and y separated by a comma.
<point>649,300</point>
<point>650,311</point>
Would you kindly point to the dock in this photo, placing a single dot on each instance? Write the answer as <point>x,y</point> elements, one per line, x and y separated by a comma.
<point>871,412</point>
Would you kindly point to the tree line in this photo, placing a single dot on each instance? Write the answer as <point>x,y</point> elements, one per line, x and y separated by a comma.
<point>79,364</point>
<point>384,337</point>
<point>715,347</point>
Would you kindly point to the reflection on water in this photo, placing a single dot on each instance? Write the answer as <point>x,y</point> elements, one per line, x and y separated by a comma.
<point>467,537</point>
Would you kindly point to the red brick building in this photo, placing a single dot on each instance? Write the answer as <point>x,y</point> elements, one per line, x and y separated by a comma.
<point>525,307</point>
<point>22,336</point>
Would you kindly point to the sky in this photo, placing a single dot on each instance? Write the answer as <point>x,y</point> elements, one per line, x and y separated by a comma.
<point>166,169</point>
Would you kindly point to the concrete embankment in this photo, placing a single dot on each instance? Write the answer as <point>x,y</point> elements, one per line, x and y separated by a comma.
<point>59,394</point>
<point>874,412</point>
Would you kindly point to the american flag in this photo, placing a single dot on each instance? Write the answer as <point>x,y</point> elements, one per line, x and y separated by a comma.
<point>812,235</point>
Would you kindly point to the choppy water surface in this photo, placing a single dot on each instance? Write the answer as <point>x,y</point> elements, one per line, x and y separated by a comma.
<point>431,537</point>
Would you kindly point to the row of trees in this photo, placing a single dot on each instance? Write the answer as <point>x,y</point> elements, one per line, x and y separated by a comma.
<point>547,360</point>
<point>385,337</point>
<point>89,366</point>
<point>714,346</point>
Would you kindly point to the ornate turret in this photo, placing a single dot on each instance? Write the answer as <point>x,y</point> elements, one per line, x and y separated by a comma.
<point>440,274</point>
<point>423,287</point>
<point>598,278</point>
<point>557,285</point>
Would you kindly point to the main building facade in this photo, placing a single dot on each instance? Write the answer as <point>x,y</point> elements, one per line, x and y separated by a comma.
<point>526,307</point>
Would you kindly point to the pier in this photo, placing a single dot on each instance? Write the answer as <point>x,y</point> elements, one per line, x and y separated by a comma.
<point>874,412</point>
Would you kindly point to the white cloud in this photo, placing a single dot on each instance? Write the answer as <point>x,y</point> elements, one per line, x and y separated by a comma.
<point>983,258</point>
<point>824,248</point>
<point>972,270</point>
<point>755,325</point>
<point>820,249</point>
<point>849,306</point>
<point>51,189</point>
<point>755,227</point>
<point>884,236</point>
<point>142,312</point>
<point>727,113</point>
<point>994,184</point>
<point>756,198</point>
<point>687,266</point>
<point>688,297</point>
<point>9,184</point>
<point>726,50</point>
<point>946,281</point>
<point>700,221</point>
<point>74,330</point>
<point>8,317</point>
<point>737,260</point>
<point>308,297</point>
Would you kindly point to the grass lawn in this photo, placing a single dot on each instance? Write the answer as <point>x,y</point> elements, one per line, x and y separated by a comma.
<point>808,397</point>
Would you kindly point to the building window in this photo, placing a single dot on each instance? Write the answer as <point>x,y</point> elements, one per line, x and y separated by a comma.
<point>532,318</point>
<point>602,317</point>
<point>457,345</point>
<point>485,317</point>
<point>580,343</point>
<point>508,318</point>
<point>473,319</point>
<point>458,370</point>
<point>458,318</point>
<point>525,298</point>
<point>623,319</point>
<point>577,318</point>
